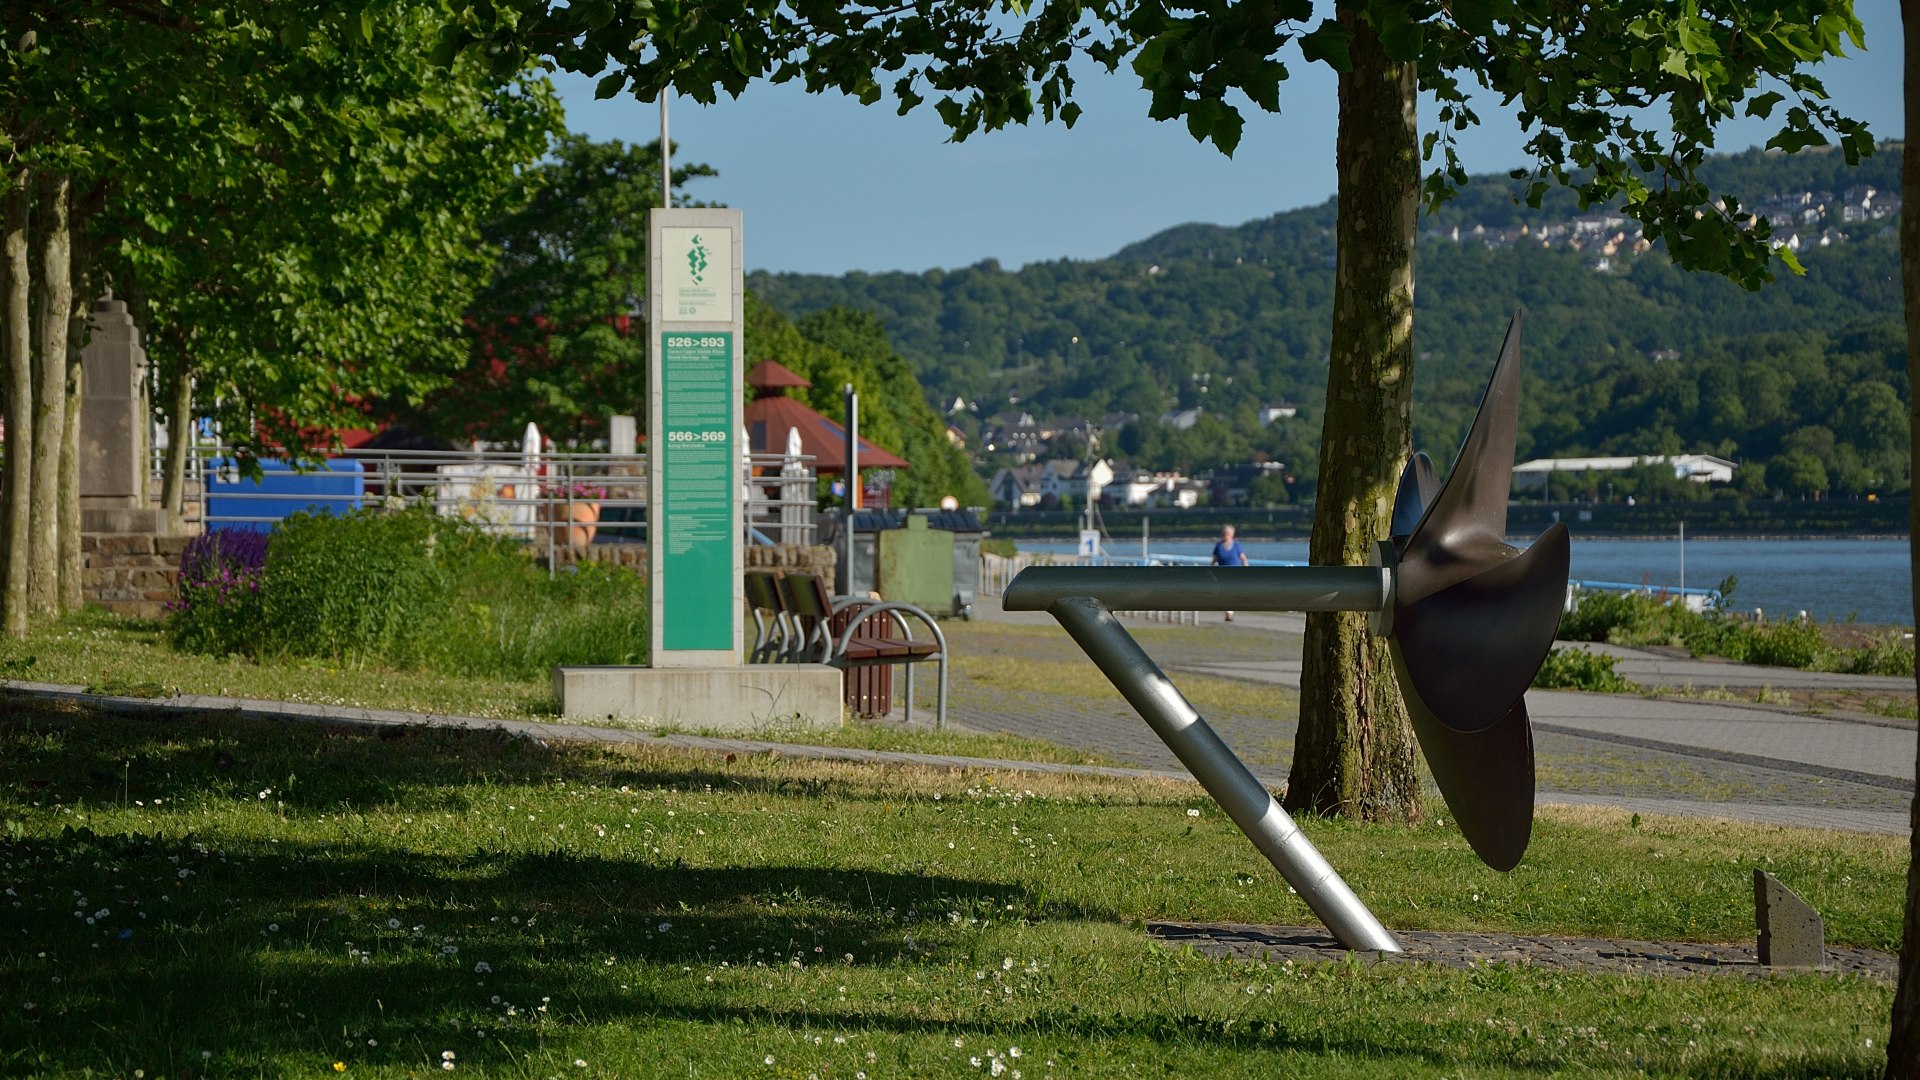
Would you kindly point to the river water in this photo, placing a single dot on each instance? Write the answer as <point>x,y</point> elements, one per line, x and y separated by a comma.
<point>1835,580</point>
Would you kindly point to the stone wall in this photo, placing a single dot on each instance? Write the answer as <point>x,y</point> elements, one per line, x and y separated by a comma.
<point>815,559</point>
<point>799,558</point>
<point>131,573</point>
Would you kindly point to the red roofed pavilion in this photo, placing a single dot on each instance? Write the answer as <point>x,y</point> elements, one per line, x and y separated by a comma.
<point>772,413</point>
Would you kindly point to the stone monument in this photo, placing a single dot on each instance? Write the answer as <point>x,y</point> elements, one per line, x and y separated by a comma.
<point>130,562</point>
<point>113,413</point>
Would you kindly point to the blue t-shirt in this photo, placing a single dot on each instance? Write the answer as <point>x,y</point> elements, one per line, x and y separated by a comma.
<point>1228,553</point>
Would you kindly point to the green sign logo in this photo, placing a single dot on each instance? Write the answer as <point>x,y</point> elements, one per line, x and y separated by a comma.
<point>697,260</point>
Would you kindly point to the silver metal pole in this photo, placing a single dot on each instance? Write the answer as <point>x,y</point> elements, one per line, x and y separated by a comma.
<point>1232,785</point>
<point>666,155</point>
<point>853,474</point>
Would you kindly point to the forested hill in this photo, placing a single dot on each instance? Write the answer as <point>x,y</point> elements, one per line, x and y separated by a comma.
<point>1625,353</point>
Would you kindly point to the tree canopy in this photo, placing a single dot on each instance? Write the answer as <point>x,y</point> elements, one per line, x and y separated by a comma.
<point>1619,101</point>
<point>555,333</point>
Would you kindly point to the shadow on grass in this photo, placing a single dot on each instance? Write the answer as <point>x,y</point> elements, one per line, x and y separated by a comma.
<point>299,994</point>
<point>70,752</point>
<point>134,946</point>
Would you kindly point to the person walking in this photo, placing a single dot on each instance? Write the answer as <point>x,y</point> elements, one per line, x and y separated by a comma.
<point>1228,552</point>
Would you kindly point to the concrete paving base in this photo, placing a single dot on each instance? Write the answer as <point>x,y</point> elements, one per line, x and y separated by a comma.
<point>744,698</point>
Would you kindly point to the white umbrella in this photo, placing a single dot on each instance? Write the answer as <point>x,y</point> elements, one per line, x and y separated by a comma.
<point>793,514</point>
<point>530,449</point>
<point>527,485</point>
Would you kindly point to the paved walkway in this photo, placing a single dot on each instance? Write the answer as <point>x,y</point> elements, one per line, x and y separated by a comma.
<point>1642,753</point>
<point>1645,754</point>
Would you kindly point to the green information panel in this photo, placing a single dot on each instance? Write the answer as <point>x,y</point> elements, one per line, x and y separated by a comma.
<point>699,489</point>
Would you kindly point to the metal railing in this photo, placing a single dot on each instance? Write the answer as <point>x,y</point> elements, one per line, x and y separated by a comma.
<point>538,499</point>
<point>996,571</point>
<point>1696,600</point>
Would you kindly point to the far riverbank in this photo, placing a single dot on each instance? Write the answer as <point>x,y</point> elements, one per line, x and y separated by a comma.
<point>1829,578</point>
<point>1719,518</point>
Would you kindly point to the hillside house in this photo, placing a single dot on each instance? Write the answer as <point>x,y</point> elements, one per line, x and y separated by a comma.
<point>1081,481</point>
<point>1278,410</point>
<point>1049,483</point>
<point>1017,487</point>
<point>1144,487</point>
<point>1232,485</point>
<point>1181,419</point>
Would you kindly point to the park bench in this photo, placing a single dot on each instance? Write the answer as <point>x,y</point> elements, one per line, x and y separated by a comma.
<point>856,634</point>
<point>773,632</point>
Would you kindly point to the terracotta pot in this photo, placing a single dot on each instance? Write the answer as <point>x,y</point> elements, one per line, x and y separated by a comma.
<point>573,524</point>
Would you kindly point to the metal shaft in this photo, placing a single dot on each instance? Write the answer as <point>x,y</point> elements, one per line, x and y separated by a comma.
<point>1204,588</point>
<point>1225,777</point>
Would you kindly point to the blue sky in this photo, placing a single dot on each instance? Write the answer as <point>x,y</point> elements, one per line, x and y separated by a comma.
<point>827,186</point>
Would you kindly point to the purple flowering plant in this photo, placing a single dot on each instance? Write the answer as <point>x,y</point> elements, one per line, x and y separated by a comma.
<point>220,576</point>
<point>576,491</point>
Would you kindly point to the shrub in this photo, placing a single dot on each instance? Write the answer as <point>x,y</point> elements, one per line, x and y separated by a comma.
<point>997,545</point>
<point>511,619</point>
<point>219,601</point>
<point>1886,654</point>
<point>354,586</point>
<point>1784,644</point>
<point>408,589</point>
<point>1578,669</point>
<point>1625,619</point>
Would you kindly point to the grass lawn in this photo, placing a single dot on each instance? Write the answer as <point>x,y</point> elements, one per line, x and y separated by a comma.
<point>196,896</point>
<point>112,655</point>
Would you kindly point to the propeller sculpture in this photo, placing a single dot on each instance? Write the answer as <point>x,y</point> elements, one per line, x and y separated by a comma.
<point>1468,619</point>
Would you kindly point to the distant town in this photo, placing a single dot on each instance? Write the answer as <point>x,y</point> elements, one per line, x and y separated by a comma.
<point>1802,219</point>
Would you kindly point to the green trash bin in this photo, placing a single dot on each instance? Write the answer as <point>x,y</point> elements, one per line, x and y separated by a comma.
<point>916,565</point>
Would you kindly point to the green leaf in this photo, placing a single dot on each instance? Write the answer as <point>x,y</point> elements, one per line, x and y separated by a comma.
<point>1400,36</point>
<point>1327,44</point>
<point>610,85</point>
<point>1762,106</point>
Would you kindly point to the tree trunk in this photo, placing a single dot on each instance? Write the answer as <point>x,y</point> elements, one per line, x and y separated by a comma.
<point>1354,754</point>
<point>1903,1048</point>
<point>15,281</point>
<point>49,392</point>
<point>177,380</point>
<point>72,562</point>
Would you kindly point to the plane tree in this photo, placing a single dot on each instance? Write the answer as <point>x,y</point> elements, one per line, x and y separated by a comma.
<point>287,207</point>
<point>554,333</point>
<point>1619,102</point>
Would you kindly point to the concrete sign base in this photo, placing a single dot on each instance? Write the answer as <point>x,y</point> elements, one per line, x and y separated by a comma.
<point>740,698</point>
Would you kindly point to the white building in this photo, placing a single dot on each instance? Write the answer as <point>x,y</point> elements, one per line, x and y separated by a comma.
<point>1699,468</point>
<point>1145,488</point>
<point>1181,419</point>
<point>1278,410</point>
<point>1022,487</point>
<point>1081,481</point>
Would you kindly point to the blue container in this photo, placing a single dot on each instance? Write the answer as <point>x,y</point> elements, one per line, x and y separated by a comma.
<point>235,502</point>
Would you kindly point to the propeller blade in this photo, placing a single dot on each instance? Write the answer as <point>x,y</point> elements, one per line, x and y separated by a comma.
<point>1472,619</point>
<point>1470,513</point>
<point>1471,650</point>
<point>1485,776</point>
<point>1418,483</point>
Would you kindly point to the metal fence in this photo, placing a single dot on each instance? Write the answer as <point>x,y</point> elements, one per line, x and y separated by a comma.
<point>537,498</point>
<point>996,571</point>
